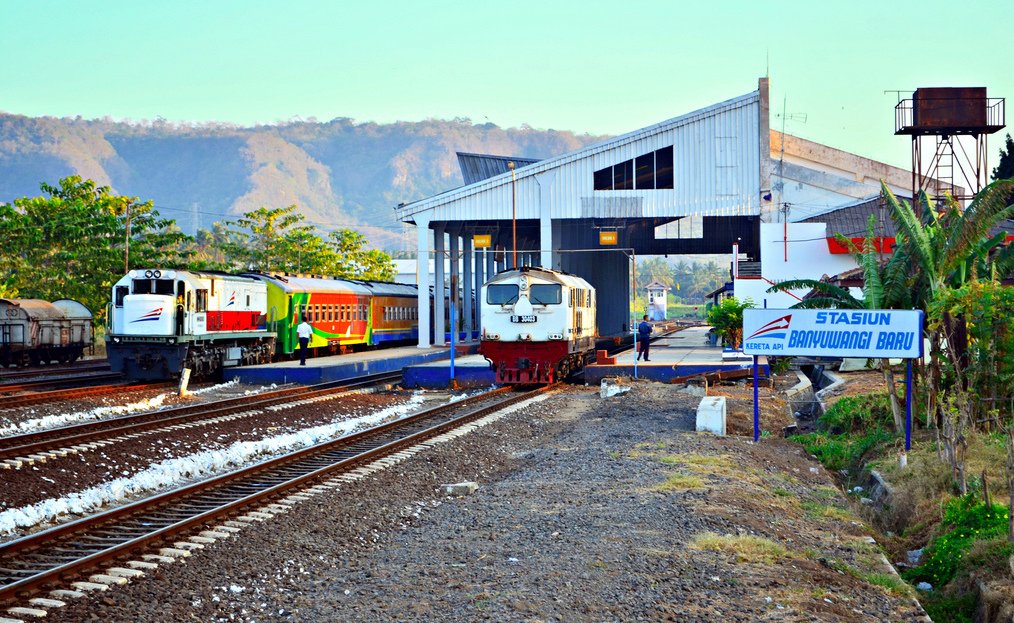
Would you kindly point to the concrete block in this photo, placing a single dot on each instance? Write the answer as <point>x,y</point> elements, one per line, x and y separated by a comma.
<point>173,552</point>
<point>201,540</point>
<point>460,489</point>
<point>102,578</point>
<point>6,620</point>
<point>214,534</point>
<point>711,415</point>
<point>187,545</point>
<point>42,602</point>
<point>612,387</point>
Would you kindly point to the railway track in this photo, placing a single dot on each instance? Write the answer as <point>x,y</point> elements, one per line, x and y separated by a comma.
<point>74,550</point>
<point>38,394</point>
<point>49,443</point>
<point>98,365</point>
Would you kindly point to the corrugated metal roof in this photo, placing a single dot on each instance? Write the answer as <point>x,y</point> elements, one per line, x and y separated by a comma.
<point>716,173</point>
<point>850,221</point>
<point>478,167</point>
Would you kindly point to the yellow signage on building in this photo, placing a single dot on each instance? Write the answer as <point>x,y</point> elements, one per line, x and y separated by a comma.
<point>482,241</point>
<point>607,237</point>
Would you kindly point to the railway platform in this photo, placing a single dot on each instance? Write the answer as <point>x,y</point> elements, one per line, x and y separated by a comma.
<point>674,356</point>
<point>338,367</point>
<point>469,371</point>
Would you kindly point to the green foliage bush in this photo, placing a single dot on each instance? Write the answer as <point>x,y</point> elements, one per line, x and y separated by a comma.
<point>966,520</point>
<point>858,414</point>
<point>848,430</point>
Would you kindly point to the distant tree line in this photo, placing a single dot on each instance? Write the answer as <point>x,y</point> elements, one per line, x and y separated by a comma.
<point>76,239</point>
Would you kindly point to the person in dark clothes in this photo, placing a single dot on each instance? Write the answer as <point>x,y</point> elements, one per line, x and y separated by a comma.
<point>304,331</point>
<point>643,338</point>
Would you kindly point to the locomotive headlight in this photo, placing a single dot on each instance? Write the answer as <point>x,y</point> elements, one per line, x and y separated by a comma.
<point>156,274</point>
<point>524,284</point>
<point>147,274</point>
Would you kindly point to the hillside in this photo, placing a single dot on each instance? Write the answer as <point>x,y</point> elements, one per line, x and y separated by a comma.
<point>340,173</point>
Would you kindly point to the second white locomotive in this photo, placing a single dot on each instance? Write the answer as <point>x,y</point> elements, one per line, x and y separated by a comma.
<point>538,325</point>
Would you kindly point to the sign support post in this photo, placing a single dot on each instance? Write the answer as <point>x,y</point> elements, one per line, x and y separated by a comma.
<point>756,403</point>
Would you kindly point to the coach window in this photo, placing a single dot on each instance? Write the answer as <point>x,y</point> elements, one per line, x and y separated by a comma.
<point>202,300</point>
<point>546,294</point>
<point>502,294</point>
<point>121,293</point>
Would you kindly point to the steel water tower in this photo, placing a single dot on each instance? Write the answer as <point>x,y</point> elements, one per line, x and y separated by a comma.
<point>949,126</point>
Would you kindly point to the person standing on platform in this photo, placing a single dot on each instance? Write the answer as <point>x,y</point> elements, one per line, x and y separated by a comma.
<point>643,338</point>
<point>304,331</point>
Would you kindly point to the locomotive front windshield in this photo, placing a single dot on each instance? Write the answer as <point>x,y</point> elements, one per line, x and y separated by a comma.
<point>502,294</point>
<point>546,294</point>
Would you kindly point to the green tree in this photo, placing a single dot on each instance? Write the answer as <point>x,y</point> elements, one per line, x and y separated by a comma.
<point>73,242</point>
<point>279,240</point>
<point>727,319</point>
<point>1004,170</point>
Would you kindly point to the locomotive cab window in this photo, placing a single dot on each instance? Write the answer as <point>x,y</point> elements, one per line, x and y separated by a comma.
<point>546,294</point>
<point>502,294</point>
<point>121,293</point>
<point>202,300</point>
<point>142,286</point>
<point>163,286</point>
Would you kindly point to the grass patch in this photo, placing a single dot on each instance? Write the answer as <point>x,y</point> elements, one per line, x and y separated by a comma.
<point>817,510</point>
<point>782,493</point>
<point>889,582</point>
<point>680,482</point>
<point>746,548</point>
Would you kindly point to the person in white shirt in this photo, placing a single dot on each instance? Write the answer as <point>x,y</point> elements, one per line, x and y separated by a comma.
<point>304,331</point>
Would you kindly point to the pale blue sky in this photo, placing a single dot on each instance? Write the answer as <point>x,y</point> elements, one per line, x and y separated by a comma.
<point>585,66</point>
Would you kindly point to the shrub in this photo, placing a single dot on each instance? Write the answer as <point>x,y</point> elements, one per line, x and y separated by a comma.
<point>966,520</point>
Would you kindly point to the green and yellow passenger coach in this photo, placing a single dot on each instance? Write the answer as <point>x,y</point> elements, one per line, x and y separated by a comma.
<point>345,314</point>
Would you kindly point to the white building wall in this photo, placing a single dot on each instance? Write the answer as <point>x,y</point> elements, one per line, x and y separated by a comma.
<point>808,258</point>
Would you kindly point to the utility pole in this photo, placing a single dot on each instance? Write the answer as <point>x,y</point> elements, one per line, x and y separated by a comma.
<point>514,211</point>
<point>126,243</point>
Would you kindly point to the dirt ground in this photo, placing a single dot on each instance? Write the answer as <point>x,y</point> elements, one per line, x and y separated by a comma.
<point>588,509</point>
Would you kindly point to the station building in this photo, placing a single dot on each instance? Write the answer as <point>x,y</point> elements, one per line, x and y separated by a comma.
<point>716,180</point>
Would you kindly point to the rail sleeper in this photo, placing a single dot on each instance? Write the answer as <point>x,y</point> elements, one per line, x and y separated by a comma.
<point>42,602</point>
<point>27,612</point>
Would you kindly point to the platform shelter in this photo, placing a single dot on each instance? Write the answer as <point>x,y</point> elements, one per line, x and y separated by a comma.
<point>700,183</point>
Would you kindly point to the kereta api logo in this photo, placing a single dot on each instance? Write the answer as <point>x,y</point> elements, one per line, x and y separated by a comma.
<point>232,299</point>
<point>773,330</point>
<point>154,314</point>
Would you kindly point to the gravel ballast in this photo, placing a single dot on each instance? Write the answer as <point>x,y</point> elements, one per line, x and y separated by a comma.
<point>588,509</point>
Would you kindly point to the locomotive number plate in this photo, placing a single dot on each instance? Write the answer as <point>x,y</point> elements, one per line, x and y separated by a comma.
<point>529,318</point>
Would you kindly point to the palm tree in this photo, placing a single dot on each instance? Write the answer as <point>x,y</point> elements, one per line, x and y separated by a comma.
<point>946,249</point>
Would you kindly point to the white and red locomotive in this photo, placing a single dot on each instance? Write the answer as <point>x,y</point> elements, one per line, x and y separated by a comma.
<point>538,325</point>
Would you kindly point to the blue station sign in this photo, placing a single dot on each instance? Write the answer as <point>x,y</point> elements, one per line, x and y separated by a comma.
<point>876,333</point>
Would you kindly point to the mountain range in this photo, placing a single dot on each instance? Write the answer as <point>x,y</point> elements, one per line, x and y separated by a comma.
<point>341,173</point>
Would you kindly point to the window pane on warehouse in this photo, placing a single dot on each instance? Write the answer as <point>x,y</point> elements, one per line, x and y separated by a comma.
<point>502,294</point>
<point>604,179</point>
<point>546,294</point>
<point>644,169</point>
<point>623,176</point>
<point>663,168</point>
